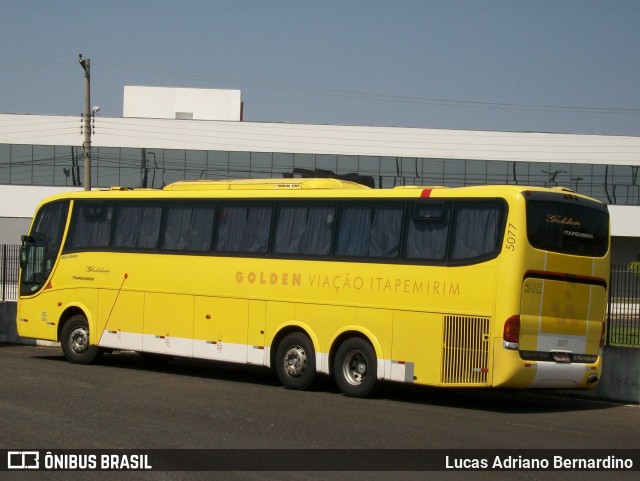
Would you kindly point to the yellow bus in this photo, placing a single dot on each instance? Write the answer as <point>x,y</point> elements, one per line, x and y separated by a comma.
<point>488,286</point>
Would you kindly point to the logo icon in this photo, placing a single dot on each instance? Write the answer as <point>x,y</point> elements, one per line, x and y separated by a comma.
<point>23,460</point>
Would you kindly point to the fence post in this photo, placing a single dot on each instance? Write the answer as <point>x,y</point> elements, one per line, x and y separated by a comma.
<point>612,283</point>
<point>4,270</point>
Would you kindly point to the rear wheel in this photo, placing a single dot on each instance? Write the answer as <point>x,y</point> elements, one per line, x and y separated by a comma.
<point>74,340</point>
<point>296,361</point>
<point>355,368</point>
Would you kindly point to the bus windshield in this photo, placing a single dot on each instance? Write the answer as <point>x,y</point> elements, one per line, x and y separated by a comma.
<point>40,249</point>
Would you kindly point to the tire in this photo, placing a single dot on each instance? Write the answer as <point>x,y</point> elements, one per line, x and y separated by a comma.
<point>296,361</point>
<point>74,339</point>
<point>355,368</point>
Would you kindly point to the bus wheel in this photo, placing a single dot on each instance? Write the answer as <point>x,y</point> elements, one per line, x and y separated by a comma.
<point>75,341</point>
<point>355,368</point>
<point>296,361</point>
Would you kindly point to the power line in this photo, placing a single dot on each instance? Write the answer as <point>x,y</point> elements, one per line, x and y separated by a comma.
<point>346,93</point>
<point>319,90</point>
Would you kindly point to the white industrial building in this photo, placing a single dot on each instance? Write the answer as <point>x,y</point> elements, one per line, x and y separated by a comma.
<point>172,134</point>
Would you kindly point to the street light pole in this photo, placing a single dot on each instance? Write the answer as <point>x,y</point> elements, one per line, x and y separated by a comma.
<point>86,145</point>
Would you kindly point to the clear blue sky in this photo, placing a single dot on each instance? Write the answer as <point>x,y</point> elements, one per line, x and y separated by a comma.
<point>514,65</point>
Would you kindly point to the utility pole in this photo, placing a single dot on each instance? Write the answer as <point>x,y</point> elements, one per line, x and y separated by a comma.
<point>86,145</point>
<point>144,169</point>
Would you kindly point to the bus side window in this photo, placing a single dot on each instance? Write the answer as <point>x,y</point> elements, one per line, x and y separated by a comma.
<point>259,222</point>
<point>92,226</point>
<point>189,227</point>
<point>476,229</point>
<point>385,231</point>
<point>369,230</point>
<point>243,228</point>
<point>304,229</point>
<point>427,232</point>
<point>137,226</point>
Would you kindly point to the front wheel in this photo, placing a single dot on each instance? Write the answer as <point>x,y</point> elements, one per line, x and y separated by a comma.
<point>74,339</point>
<point>296,361</point>
<point>355,368</point>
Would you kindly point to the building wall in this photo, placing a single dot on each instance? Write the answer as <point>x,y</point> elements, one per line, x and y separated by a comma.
<point>625,250</point>
<point>20,201</point>
<point>32,164</point>
<point>17,205</point>
<point>389,142</point>
<point>12,228</point>
<point>182,103</point>
<point>46,150</point>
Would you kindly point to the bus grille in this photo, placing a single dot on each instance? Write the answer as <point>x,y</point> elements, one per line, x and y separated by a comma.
<point>465,350</point>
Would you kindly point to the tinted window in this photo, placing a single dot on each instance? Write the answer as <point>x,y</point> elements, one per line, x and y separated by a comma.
<point>477,229</point>
<point>92,225</point>
<point>427,232</point>
<point>137,226</point>
<point>188,227</point>
<point>243,228</point>
<point>304,229</point>
<point>41,248</point>
<point>369,229</point>
<point>50,222</point>
<point>568,227</point>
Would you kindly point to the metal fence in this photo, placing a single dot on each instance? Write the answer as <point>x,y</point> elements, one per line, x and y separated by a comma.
<point>623,311</point>
<point>9,262</point>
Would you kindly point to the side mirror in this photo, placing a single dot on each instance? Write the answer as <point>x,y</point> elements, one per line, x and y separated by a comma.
<point>23,255</point>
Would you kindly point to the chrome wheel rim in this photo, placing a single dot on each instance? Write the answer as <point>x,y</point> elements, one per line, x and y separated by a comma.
<point>79,339</point>
<point>354,368</point>
<point>295,361</point>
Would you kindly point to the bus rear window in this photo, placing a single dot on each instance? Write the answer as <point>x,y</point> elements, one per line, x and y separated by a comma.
<point>568,227</point>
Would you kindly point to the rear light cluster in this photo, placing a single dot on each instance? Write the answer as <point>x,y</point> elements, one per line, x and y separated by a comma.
<point>511,333</point>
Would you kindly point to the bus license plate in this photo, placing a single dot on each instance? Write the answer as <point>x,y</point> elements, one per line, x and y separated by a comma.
<point>561,356</point>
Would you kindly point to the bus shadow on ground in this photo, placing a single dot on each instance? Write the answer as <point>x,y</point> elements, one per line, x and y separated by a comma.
<point>507,401</point>
<point>512,401</point>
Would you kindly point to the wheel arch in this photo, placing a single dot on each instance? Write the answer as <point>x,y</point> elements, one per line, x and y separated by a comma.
<point>68,313</point>
<point>355,331</point>
<point>283,330</point>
